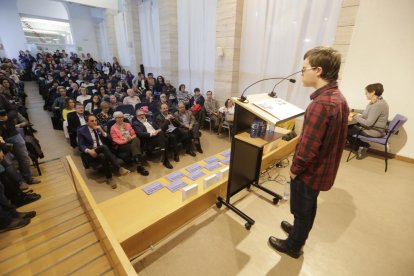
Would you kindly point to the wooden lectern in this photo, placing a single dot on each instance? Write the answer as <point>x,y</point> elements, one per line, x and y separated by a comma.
<point>247,152</point>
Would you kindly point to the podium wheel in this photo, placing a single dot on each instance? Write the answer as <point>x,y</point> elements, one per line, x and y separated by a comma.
<point>248,226</point>
<point>275,200</point>
<point>219,204</point>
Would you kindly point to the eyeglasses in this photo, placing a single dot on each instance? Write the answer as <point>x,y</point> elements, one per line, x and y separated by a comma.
<point>306,69</point>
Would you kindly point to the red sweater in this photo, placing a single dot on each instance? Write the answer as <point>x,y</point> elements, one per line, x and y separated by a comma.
<point>322,140</point>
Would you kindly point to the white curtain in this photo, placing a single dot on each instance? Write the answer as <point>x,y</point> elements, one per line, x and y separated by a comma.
<point>196,24</point>
<point>121,40</point>
<point>149,24</point>
<point>275,36</point>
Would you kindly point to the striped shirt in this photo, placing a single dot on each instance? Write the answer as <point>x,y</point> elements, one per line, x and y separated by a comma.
<point>322,140</point>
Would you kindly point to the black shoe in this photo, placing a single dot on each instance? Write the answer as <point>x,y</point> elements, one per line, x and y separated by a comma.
<point>176,158</point>
<point>281,246</point>
<point>286,226</point>
<point>16,223</point>
<point>26,198</point>
<point>22,215</point>
<point>142,170</point>
<point>190,152</point>
<point>167,164</point>
<point>198,147</point>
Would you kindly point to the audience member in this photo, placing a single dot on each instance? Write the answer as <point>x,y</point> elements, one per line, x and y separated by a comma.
<point>105,115</point>
<point>75,120</point>
<point>151,136</point>
<point>189,123</point>
<point>132,98</point>
<point>125,140</point>
<point>93,104</point>
<point>183,96</point>
<point>9,134</point>
<point>90,139</point>
<point>212,109</point>
<point>170,126</point>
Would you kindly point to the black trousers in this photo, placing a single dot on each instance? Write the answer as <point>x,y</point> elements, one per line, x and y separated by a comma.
<point>106,158</point>
<point>303,205</point>
<point>179,134</point>
<point>353,130</point>
<point>7,211</point>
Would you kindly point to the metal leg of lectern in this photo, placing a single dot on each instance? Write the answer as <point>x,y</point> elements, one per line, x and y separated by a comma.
<point>249,220</point>
<point>276,196</point>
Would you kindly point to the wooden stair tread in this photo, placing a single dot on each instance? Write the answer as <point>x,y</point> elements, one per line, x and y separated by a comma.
<point>58,255</point>
<point>79,260</point>
<point>37,252</point>
<point>32,230</point>
<point>15,248</point>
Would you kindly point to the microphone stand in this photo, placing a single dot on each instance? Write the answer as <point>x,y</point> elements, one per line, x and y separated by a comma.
<point>244,99</point>
<point>273,94</point>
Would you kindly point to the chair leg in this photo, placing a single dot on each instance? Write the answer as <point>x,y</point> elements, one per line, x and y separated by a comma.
<point>386,157</point>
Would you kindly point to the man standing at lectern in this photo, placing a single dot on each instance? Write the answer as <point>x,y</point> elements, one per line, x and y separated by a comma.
<point>320,146</point>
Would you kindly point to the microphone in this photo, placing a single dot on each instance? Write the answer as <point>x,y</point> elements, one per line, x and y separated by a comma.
<point>243,99</point>
<point>273,94</point>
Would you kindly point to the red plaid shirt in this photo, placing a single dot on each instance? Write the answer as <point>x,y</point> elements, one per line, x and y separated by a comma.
<point>322,140</point>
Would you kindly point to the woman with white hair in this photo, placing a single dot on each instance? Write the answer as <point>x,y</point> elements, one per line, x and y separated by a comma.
<point>125,140</point>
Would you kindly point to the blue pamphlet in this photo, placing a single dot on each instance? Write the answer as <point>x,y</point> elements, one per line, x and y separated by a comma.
<point>226,153</point>
<point>194,168</point>
<point>195,175</point>
<point>150,189</point>
<point>174,176</point>
<point>226,161</point>
<point>211,159</point>
<point>176,185</point>
<point>212,166</point>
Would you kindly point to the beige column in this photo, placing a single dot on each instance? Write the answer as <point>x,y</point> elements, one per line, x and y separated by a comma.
<point>168,39</point>
<point>228,39</point>
<point>346,23</point>
<point>110,28</point>
<point>133,32</point>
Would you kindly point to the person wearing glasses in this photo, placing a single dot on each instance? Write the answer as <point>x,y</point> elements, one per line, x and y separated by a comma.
<point>125,140</point>
<point>319,150</point>
<point>370,122</point>
<point>91,142</point>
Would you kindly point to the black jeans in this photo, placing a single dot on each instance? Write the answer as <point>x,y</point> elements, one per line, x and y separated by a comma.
<point>354,142</point>
<point>7,211</point>
<point>303,204</point>
<point>106,158</point>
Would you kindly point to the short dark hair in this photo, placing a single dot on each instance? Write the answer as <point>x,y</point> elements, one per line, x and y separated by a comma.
<point>377,87</point>
<point>89,116</point>
<point>328,59</point>
<point>196,89</point>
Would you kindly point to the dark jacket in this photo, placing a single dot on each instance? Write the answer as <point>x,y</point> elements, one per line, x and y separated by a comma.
<point>163,123</point>
<point>85,140</point>
<point>140,129</point>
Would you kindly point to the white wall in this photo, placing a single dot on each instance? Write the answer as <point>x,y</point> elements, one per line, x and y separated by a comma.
<point>11,31</point>
<point>84,27</point>
<point>382,50</point>
<point>43,8</point>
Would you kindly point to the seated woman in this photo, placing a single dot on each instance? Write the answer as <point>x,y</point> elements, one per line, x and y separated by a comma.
<point>183,96</point>
<point>226,113</point>
<point>105,115</point>
<point>83,96</point>
<point>372,121</point>
<point>125,140</point>
<point>68,107</point>
<point>94,104</point>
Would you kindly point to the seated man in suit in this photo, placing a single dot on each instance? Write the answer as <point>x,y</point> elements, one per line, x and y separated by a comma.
<point>189,123</point>
<point>75,120</point>
<point>170,126</point>
<point>90,138</point>
<point>151,135</point>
